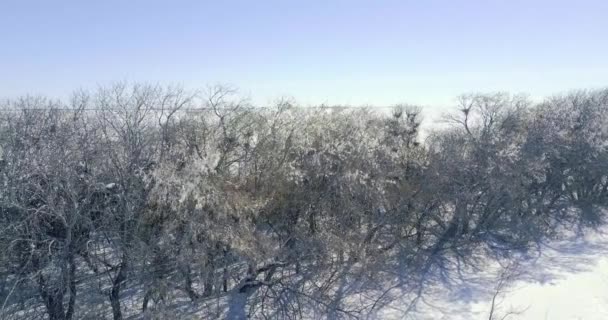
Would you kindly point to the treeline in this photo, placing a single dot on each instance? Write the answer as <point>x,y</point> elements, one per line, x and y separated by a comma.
<point>127,200</point>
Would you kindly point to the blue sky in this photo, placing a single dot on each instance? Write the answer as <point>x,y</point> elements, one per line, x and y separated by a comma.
<point>334,52</point>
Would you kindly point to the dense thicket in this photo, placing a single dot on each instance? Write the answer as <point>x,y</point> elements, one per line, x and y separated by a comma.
<point>130,199</point>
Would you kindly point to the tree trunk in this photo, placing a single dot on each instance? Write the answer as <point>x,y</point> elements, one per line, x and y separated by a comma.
<point>225,272</point>
<point>115,293</point>
<point>144,305</point>
<point>72,288</point>
<point>188,283</point>
<point>209,274</point>
<point>225,280</point>
<point>53,299</point>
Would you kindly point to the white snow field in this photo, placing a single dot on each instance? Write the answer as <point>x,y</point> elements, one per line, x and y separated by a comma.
<point>567,281</point>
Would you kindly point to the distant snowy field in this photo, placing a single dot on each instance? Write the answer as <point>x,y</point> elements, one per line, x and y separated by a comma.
<point>568,281</point>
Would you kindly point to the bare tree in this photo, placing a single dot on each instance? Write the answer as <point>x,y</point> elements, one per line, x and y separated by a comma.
<point>145,195</point>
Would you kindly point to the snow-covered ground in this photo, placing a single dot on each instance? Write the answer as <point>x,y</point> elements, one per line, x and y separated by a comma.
<point>571,282</point>
<point>568,280</point>
<point>576,295</point>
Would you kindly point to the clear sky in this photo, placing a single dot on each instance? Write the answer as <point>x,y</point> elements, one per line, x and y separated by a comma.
<point>334,52</point>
